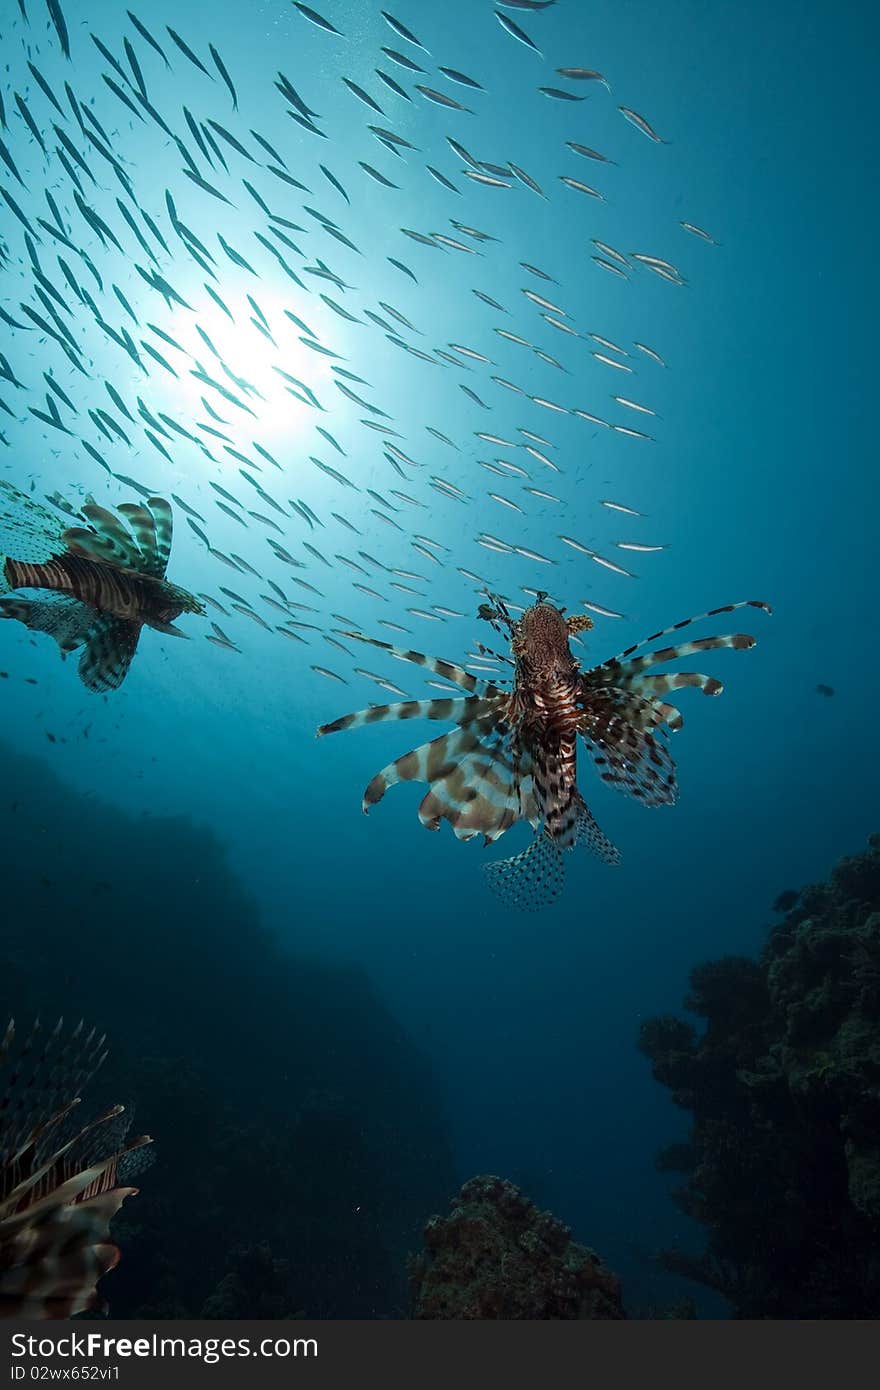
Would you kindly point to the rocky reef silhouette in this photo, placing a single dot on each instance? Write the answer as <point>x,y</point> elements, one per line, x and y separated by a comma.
<point>783,1084</point>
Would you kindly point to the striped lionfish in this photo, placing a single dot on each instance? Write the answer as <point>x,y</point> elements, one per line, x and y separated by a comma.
<point>513,754</point>
<point>107,581</point>
<point>59,1183</point>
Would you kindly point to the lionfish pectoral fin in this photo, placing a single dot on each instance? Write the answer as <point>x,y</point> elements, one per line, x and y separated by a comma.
<point>66,619</point>
<point>577,623</point>
<point>463,710</point>
<point>473,774</point>
<point>531,879</point>
<point>447,669</point>
<point>109,650</point>
<point>430,762</point>
<point>623,732</point>
<point>480,794</point>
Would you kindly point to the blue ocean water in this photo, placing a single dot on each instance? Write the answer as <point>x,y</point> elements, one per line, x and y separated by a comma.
<point>758,478</point>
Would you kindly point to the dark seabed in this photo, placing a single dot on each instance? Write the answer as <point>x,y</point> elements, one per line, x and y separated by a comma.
<point>384,358</point>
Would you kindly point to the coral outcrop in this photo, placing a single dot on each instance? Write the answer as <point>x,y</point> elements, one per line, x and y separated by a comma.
<point>783,1163</point>
<point>497,1256</point>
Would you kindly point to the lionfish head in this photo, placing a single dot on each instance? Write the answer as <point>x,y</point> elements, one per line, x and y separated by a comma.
<point>541,643</point>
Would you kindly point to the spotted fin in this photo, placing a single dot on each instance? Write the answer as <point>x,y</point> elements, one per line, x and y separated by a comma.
<point>66,619</point>
<point>535,877</point>
<point>531,879</point>
<point>111,644</point>
<point>592,836</point>
<point>28,530</point>
<point>623,732</point>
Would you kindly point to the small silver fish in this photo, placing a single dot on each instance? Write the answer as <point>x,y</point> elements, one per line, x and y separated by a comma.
<point>331,675</point>
<point>698,231</point>
<point>641,124</point>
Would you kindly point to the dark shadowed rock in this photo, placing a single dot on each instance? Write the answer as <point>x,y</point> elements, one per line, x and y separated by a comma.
<point>497,1256</point>
<point>783,1163</point>
<point>294,1118</point>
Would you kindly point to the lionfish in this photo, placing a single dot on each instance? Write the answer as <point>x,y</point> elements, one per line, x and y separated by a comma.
<point>513,754</point>
<point>59,1183</point>
<point>107,581</point>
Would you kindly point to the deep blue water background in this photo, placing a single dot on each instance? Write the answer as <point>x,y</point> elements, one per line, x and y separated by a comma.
<point>761,480</point>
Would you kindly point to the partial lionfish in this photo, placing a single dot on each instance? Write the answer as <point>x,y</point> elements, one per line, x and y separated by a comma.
<point>59,1183</point>
<point>513,755</point>
<point>107,581</point>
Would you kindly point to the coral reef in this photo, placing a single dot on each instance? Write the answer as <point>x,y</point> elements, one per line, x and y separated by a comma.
<point>497,1256</point>
<point>288,1105</point>
<point>783,1164</point>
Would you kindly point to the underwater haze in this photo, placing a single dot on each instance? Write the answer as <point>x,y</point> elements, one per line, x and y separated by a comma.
<point>381,381</point>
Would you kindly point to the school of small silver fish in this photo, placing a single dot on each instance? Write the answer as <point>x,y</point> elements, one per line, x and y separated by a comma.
<point>246,258</point>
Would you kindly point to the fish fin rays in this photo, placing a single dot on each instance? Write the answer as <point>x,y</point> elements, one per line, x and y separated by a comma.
<point>534,878</point>
<point>530,880</point>
<point>623,732</point>
<point>590,835</point>
<point>110,647</point>
<point>28,530</point>
<point>459,711</point>
<point>473,773</point>
<point>65,619</point>
<point>145,548</point>
<point>110,643</point>
<point>447,669</point>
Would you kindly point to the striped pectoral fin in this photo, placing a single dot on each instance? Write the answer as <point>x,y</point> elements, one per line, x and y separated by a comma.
<point>447,669</point>
<point>481,794</point>
<point>110,647</point>
<point>459,711</point>
<point>55,1262</point>
<point>531,879</point>
<point>66,619</point>
<point>628,675</point>
<point>623,732</point>
<point>746,641</point>
<point>430,762</point>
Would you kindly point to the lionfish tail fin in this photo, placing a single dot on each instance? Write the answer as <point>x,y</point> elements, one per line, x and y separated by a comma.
<point>530,880</point>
